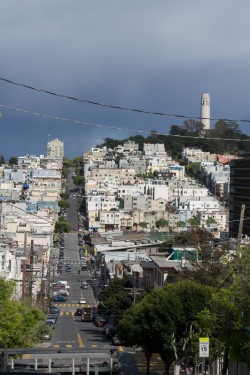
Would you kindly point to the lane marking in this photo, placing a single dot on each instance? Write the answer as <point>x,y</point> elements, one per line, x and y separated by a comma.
<point>81,344</point>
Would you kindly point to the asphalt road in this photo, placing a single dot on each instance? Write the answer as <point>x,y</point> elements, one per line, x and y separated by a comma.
<point>70,331</point>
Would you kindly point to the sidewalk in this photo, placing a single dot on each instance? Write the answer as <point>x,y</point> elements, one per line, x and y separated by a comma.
<point>135,363</point>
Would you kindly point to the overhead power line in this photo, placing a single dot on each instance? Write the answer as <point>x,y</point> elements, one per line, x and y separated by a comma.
<point>112,106</point>
<point>116,127</point>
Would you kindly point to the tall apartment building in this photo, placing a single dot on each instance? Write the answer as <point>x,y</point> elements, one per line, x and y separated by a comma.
<point>55,149</point>
<point>239,194</point>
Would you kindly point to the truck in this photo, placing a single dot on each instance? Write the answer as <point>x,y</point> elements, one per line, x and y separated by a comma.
<point>87,313</point>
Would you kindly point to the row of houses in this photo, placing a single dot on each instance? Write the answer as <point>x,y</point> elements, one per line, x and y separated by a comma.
<point>122,195</point>
<point>126,198</point>
<point>29,195</point>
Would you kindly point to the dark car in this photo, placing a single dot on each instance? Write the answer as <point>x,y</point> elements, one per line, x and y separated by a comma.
<point>106,327</point>
<point>110,331</point>
<point>117,341</point>
<point>59,299</point>
<point>100,322</point>
<point>68,269</point>
<point>78,312</point>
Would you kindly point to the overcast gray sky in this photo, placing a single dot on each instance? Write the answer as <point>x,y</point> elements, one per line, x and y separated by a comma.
<point>157,55</point>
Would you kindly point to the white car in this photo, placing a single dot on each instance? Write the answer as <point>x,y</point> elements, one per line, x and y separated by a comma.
<point>82,300</point>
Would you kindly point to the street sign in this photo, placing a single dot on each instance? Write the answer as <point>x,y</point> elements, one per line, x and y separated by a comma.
<point>204,347</point>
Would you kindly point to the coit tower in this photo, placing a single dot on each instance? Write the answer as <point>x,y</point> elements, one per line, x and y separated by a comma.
<point>205,110</point>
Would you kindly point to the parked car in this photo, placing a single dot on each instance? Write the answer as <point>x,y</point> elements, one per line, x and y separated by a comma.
<point>100,322</point>
<point>46,336</point>
<point>54,309</point>
<point>106,327</point>
<point>109,331</point>
<point>52,317</point>
<point>50,323</point>
<point>117,341</point>
<point>68,269</point>
<point>59,299</point>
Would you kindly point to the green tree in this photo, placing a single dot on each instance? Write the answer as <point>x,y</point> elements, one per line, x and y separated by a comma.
<point>117,297</point>
<point>62,226</point>
<point>2,161</point>
<point>163,321</point>
<point>13,161</point>
<point>196,237</point>
<point>77,161</point>
<point>67,164</point>
<point>193,170</point>
<point>230,311</point>
<point>64,196</point>
<point>20,325</point>
<point>193,222</point>
<point>143,224</point>
<point>161,223</point>
<point>210,221</point>
<point>63,203</point>
<point>79,181</point>
<point>181,224</point>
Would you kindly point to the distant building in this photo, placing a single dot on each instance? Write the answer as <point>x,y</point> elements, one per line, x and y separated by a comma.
<point>55,149</point>
<point>239,195</point>
<point>205,110</point>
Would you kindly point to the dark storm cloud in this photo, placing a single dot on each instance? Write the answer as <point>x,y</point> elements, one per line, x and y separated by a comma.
<point>154,55</point>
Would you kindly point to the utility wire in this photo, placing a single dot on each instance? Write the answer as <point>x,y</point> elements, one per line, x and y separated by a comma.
<point>118,128</point>
<point>116,106</point>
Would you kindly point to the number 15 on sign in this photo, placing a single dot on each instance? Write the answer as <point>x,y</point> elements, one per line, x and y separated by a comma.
<point>203,347</point>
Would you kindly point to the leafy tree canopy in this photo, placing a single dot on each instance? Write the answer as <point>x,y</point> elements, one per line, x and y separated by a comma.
<point>64,196</point>
<point>161,223</point>
<point>163,321</point>
<point>62,226</point>
<point>63,203</point>
<point>13,160</point>
<point>79,180</point>
<point>2,160</point>
<point>20,325</point>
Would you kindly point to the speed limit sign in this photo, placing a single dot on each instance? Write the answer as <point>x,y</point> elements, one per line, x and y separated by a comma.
<point>203,347</point>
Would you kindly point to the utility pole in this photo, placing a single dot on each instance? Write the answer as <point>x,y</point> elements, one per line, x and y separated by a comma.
<point>24,265</point>
<point>242,213</point>
<point>31,268</point>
